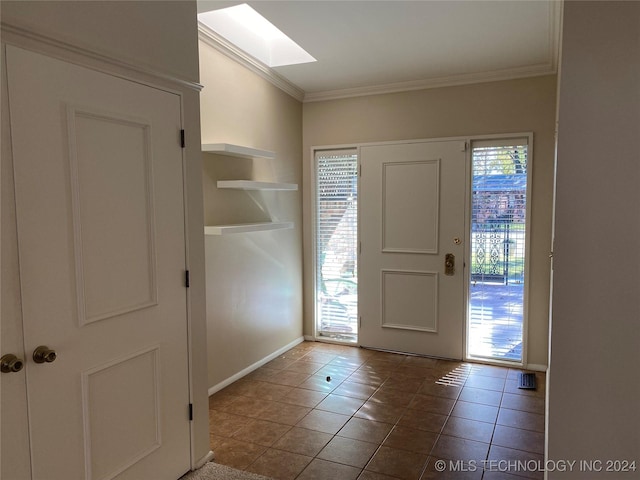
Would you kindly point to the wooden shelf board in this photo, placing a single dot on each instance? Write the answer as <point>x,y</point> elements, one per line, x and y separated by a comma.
<point>246,227</point>
<point>236,150</point>
<point>251,185</point>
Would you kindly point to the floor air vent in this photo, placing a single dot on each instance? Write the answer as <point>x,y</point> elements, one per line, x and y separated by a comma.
<point>527,381</point>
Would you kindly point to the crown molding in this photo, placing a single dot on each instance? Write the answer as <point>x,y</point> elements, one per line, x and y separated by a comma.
<point>440,82</point>
<point>211,38</point>
<point>555,30</point>
<point>208,36</point>
<point>26,37</point>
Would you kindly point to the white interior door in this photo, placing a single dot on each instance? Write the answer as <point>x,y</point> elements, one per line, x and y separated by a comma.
<point>412,214</point>
<point>99,201</point>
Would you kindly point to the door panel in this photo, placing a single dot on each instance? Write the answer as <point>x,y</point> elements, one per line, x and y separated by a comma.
<point>100,215</point>
<point>411,188</point>
<point>111,177</point>
<point>108,394</point>
<point>403,292</point>
<point>411,215</point>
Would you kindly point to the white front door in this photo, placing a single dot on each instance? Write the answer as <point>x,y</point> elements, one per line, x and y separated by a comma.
<point>412,216</point>
<point>100,218</point>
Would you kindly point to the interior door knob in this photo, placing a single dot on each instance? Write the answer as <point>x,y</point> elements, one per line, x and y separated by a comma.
<point>44,354</point>
<point>9,363</point>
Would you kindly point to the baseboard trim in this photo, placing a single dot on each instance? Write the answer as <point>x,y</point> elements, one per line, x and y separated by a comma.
<point>536,367</point>
<point>309,338</point>
<point>206,459</point>
<point>254,366</point>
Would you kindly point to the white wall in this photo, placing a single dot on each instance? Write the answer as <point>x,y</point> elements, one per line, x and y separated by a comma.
<point>158,37</point>
<point>594,375</point>
<point>488,108</point>
<point>254,280</point>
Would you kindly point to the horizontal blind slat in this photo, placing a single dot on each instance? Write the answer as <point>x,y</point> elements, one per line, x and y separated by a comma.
<point>336,241</point>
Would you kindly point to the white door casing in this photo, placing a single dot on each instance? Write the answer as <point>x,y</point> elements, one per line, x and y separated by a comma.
<point>14,441</point>
<point>412,213</point>
<point>100,218</point>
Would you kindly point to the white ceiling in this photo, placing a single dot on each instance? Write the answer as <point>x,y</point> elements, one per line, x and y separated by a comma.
<point>377,46</point>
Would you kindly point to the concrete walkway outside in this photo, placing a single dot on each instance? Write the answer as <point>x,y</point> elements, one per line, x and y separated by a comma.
<point>496,321</point>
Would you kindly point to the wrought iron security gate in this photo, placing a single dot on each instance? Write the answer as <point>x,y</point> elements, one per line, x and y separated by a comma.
<point>497,225</point>
<point>492,245</point>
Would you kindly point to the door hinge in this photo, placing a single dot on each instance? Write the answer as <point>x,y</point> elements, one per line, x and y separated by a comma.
<point>182,144</point>
<point>360,320</point>
<point>359,248</point>
<point>360,170</point>
<point>187,281</point>
<point>464,147</point>
<point>190,411</point>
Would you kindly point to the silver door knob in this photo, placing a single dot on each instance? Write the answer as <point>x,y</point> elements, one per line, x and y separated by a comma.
<point>44,354</point>
<point>9,363</point>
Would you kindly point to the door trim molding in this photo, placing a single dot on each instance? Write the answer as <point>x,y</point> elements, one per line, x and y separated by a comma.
<point>202,461</point>
<point>527,262</point>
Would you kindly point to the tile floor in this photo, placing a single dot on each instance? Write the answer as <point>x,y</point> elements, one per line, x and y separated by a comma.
<point>324,411</point>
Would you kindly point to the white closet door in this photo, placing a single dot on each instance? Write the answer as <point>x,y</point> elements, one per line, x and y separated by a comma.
<point>99,199</point>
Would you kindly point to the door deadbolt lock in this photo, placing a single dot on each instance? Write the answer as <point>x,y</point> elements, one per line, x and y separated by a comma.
<point>44,354</point>
<point>449,264</point>
<point>9,363</point>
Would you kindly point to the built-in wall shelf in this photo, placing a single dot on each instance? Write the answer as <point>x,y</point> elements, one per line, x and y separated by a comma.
<point>246,227</point>
<point>251,185</point>
<point>245,152</point>
<point>236,150</point>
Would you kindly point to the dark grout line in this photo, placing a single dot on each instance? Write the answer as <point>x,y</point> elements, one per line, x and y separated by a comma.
<point>380,368</point>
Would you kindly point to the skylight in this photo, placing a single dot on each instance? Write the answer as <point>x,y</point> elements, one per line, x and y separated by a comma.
<point>251,32</point>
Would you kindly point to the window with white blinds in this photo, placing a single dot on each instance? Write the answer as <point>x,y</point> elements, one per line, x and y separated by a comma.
<point>336,237</point>
<point>498,238</point>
